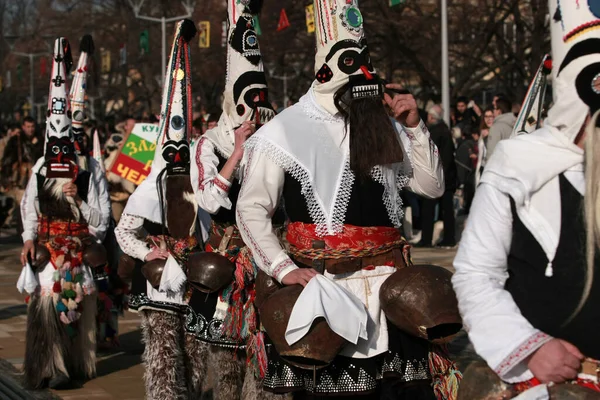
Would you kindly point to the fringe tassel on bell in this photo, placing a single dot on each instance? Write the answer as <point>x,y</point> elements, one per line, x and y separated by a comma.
<point>444,374</point>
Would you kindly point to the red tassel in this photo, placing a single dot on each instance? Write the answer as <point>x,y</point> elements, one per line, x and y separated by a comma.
<point>27,299</point>
<point>56,288</point>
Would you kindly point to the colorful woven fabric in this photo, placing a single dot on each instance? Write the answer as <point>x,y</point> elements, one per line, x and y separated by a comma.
<point>64,242</point>
<point>354,241</point>
<point>524,386</point>
<point>241,322</point>
<point>444,374</point>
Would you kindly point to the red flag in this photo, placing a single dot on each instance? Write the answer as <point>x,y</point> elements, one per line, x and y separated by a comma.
<point>43,66</point>
<point>283,21</point>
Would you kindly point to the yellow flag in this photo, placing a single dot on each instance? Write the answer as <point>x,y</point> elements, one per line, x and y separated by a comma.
<point>310,18</point>
<point>105,61</point>
<point>204,34</point>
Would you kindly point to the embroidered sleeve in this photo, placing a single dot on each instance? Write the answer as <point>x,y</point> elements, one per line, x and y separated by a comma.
<point>427,173</point>
<point>496,327</point>
<point>28,210</point>
<point>257,202</point>
<point>210,189</point>
<point>129,234</point>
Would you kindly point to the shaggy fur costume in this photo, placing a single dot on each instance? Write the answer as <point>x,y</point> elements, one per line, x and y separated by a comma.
<point>196,365</point>
<point>165,376</point>
<point>234,380</point>
<point>50,352</point>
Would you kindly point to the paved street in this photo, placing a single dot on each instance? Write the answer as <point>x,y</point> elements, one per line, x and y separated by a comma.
<point>120,371</point>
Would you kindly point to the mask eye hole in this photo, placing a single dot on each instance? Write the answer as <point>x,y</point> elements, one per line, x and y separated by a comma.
<point>55,149</point>
<point>240,109</point>
<point>65,150</point>
<point>78,116</point>
<point>348,61</point>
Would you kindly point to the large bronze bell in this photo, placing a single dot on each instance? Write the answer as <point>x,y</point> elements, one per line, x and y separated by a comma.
<point>315,350</point>
<point>482,383</point>
<point>126,267</point>
<point>42,258</point>
<point>265,287</point>
<point>153,271</point>
<point>420,301</point>
<point>209,272</point>
<point>94,255</point>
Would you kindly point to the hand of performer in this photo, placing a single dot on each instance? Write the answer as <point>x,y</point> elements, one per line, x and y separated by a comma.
<point>241,135</point>
<point>403,106</point>
<point>157,254</point>
<point>299,276</point>
<point>70,190</point>
<point>28,249</point>
<point>556,361</point>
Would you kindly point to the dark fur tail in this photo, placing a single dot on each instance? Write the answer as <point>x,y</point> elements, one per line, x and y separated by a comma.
<point>47,344</point>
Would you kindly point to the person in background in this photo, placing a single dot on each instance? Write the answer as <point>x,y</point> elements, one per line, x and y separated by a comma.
<point>484,129</point>
<point>466,113</point>
<point>442,138</point>
<point>466,162</point>
<point>503,125</point>
<point>197,129</point>
<point>20,154</point>
<point>12,131</point>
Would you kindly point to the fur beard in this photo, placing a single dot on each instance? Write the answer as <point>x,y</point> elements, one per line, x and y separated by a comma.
<point>164,376</point>
<point>181,206</point>
<point>54,187</point>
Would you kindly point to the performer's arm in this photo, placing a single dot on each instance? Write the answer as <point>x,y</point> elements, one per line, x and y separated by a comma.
<point>257,202</point>
<point>103,197</point>
<point>428,173</point>
<point>496,327</point>
<point>28,211</point>
<point>90,211</point>
<point>129,232</point>
<point>211,189</point>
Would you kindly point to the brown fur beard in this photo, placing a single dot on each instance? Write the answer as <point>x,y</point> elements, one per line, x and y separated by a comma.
<point>53,188</point>
<point>373,138</point>
<point>181,206</point>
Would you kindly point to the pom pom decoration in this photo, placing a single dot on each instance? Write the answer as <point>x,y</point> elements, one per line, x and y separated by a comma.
<point>68,277</point>
<point>57,287</point>
<point>67,286</point>
<point>70,294</point>
<point>56,276</point>
<point>60,307</point>
<point>64,319</point>
<point>73,315</point>
<point>188,30</point>
<point>72,305</point>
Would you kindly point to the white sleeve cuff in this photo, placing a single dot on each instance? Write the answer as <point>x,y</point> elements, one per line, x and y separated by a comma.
<point>419,133</point>
<point>513,368</point>
<point>222,184</point>
<point>28,236</point>
<point>281,266</point>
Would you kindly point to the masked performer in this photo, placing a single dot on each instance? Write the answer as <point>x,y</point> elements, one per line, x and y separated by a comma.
<point>157,228</point>
<point>526,271</point>
<point>339,163</point>
<point>58,208</point>
<point>109,287</point>
<point>226,319</point>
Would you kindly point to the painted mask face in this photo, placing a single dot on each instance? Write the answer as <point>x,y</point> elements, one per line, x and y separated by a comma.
<point>576,49</point>
<point>251,96</point>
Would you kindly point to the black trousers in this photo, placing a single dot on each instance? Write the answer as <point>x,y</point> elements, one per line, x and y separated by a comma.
<point>446,203</point>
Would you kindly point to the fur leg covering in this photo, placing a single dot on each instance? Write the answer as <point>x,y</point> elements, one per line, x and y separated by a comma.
<point>163,356</point>
<point>196,365</point>
<point>253,389</point>
<point>228,369</point>
<point>47,347</point>
<point>84,346</point>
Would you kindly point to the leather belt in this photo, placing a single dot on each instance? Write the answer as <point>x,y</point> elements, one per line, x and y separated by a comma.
<point>222,243</point>
<point>392,257</point>
<point>591,368</point>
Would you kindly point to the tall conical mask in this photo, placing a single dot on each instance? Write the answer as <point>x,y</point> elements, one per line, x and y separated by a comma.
<point>530,116</point>
<point>172,156</point>
<point>575,27</point>
<point>342,54</point>
<point>77,96</point>
<point>246,94</point>
<point>59,151</point>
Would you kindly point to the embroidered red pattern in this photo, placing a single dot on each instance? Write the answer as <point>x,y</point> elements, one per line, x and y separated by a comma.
<point>283,265</point>
<point>218,183</point>
<point>518,355</point>
<point>199,164</point>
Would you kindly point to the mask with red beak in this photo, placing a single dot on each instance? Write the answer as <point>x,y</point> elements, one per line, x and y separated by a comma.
<point>342,54</point>
<point>59,150</point>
